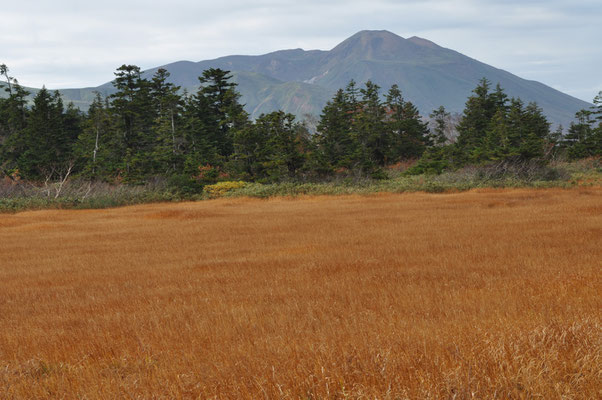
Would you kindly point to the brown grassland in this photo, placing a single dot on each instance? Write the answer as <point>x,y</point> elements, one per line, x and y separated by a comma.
<point>483,294</point>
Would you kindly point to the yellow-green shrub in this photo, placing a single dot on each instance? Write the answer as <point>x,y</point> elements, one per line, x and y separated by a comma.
<point>221,188</point>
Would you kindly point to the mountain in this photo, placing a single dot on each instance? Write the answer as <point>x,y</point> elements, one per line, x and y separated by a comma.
<point>301,82</point>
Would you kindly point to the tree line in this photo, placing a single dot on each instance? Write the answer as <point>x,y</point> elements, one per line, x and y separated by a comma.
<point>150,128</point>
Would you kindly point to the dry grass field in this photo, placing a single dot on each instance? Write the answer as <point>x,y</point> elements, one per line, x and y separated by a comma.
<point>490,294</point>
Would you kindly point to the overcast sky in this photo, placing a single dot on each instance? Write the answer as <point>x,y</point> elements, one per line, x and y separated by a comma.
<point>68,43</point>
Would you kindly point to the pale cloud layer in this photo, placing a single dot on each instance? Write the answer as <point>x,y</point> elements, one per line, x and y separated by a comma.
<point>67,43</point>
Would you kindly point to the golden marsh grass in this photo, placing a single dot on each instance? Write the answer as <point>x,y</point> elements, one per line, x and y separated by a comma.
<point>482,294</point>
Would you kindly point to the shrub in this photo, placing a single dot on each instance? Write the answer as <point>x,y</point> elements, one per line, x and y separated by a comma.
<point>379,174</point>
<point>184,184</point>
<point>525,170</point>
<point>221,188</point>
<point>434,161</point>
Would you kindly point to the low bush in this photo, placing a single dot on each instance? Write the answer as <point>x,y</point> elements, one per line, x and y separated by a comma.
<point>525,170</point>
<point>185,185</point>
<point>17,195</point>
<point>221,188</point>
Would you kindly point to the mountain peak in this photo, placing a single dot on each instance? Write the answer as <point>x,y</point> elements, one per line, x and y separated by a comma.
<point>369,45</point>
<point>376,34</point>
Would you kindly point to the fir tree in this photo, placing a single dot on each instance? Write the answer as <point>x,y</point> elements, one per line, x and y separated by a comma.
<point>132,106</point>
<point>250,152</point>
<point>167,105</point>
<point>226,114</point>
<point>597,107</point>
<point>440,119</point>
<point>285,142</point>
<point>369,129</point>
<point>537,131</point>
<point>409,134</point>
<point>212,118</point>
<point>583,140</point>
<point>334,138</point>
<point>13,120</point>
<point>48,139</point>
<point>479,109</point>
<point>97,147</point>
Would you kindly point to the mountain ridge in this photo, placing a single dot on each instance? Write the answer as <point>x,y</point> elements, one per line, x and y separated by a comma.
<point>302,81</point>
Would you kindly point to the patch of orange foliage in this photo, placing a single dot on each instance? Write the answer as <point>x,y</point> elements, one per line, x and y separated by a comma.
<point>483,294</point>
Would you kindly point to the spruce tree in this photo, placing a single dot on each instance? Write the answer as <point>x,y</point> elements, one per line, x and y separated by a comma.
<point>48,139</point>
<point>226,114</point>
<point>440,119</point>
<point>515,129</point>
<point>478,111</point>
<point>409,135</point>
<point>272,149</point>
<point>335,142</point>
<point>167,107</point>
<point>198,148</point>
<point>496,138</point>
<point>212,118</point>
<point>132,107</point>
<point>13,120</point>
<point>98,145</point>
<point>597,136</point>
<point>597,107</point>
<point>582,140</point>
<point>537,131</point>
<point>250,152</point>
<point>369,129</point>
<point>284,144</point>
<point>499,99</point>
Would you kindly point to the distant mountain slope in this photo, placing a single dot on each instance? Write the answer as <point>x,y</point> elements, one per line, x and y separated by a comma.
<point>81,98</point>
<point>260,93</point>
<point>301,82</point>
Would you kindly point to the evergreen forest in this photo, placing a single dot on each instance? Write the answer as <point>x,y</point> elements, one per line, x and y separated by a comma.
<point>151,129</point>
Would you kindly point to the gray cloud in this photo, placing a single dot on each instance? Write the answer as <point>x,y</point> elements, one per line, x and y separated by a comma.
<point>73,43</point>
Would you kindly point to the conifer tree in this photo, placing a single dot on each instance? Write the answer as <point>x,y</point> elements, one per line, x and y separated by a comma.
<point>440,118</point>
<point>537,132</point>
<point>198,148</point>
<point>479,109</point>
<point>499,99</point>
<point>369,129</point>
<point>13,120</point>
<point>226,113</point>
<point>284,144</point>
<point>48,139</point>
<point>409,134</point>
<point>597,107</point>
<point>596,142</point>
<point>515,129</point>
<point>271,149</point>
<point>97,147</point>
<point>493,127</point>
<point>213,116</point>
<point>583,140</point>
<point>167,104</point>
<point>250,152</point>
<point>352,95</point>
<point>132,106</point>
<point>496,138</point>
<point>334,138</point>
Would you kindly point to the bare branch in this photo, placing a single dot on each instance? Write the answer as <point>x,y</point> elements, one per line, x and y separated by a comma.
<point>59,185</point>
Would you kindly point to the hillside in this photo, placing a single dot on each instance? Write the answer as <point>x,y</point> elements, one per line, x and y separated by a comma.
<point>301,82</point>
